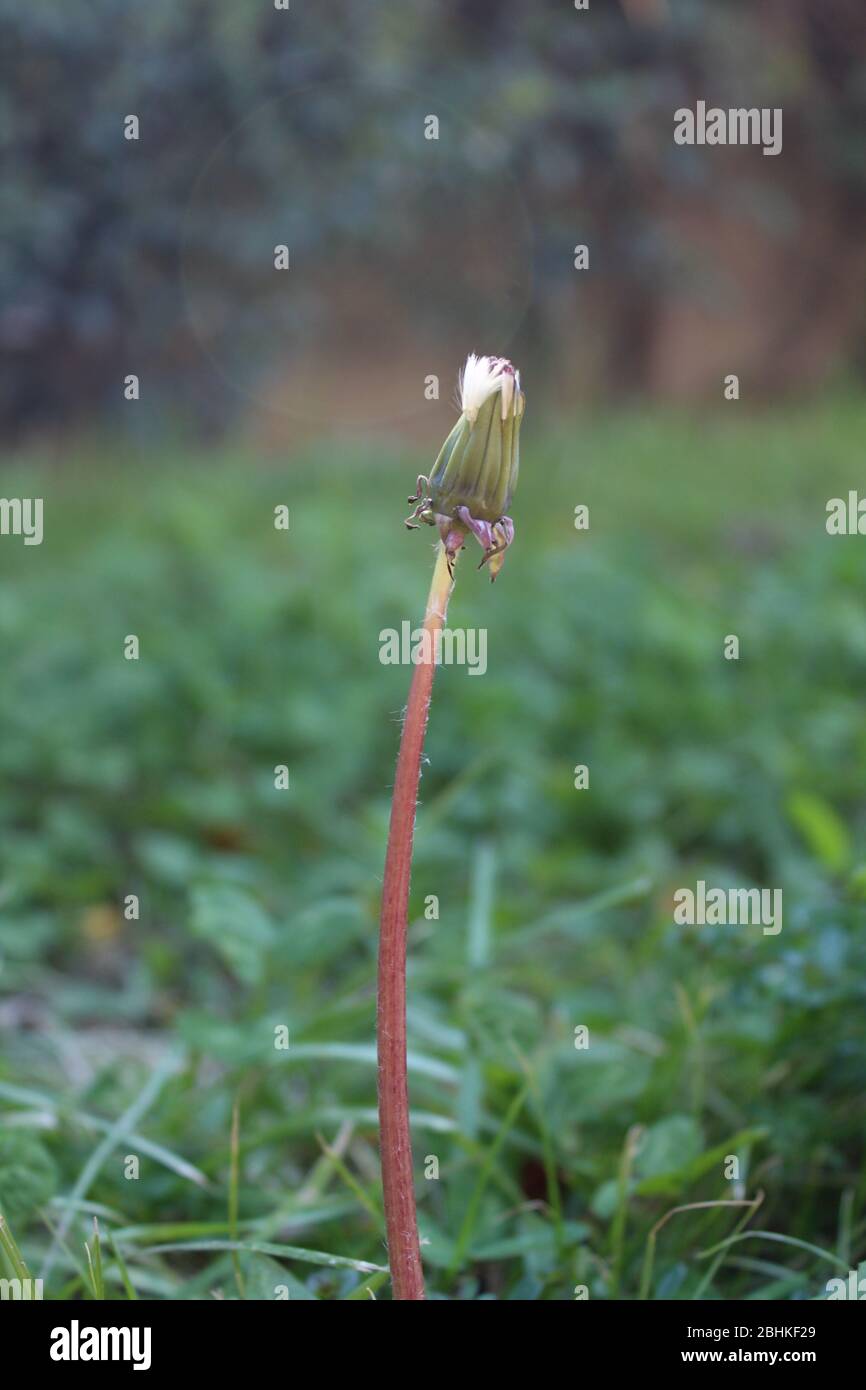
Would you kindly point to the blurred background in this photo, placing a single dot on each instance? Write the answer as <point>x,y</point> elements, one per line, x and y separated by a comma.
<point>260,127</point>
<point>126,1036</point>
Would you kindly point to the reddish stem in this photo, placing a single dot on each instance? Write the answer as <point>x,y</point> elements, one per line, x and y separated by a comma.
<point>404,1251</point>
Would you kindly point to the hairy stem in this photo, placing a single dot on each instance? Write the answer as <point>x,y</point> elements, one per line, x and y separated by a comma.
<point>404,1251</point>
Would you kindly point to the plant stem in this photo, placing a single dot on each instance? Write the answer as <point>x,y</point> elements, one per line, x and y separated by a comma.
<point>404,1251</point>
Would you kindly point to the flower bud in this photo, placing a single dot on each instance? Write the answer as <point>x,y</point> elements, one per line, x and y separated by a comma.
<point>474,477</point>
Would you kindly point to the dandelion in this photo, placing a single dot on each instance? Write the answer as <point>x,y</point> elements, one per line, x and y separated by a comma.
<point>468,493</point>
<point>474,477</point>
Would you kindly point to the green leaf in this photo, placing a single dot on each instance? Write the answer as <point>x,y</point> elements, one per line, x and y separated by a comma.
<point>670,1183</point>
<point>28,1175</point>
<point>233,923</point>
<point>668,1146</point>
<point>605,1198</point>
<point>288,1252</point>
<point>822,829</point>
<point>265,1280</point>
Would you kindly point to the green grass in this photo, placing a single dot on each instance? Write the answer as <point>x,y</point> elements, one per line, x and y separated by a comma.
<point>126,1044</point>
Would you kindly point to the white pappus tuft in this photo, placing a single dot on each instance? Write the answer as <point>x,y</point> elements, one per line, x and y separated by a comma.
<point>481,377</point>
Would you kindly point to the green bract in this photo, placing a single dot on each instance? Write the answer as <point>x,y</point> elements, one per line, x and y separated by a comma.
<point>475,475</point>
<point>479,462</point>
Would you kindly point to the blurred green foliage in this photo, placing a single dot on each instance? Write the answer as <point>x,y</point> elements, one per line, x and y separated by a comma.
<point>259,906</point>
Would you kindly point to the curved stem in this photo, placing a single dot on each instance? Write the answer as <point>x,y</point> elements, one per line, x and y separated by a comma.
<point>395,1141</point>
